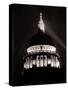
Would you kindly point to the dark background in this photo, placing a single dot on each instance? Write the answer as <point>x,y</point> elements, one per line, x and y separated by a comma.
<point>26,19</point>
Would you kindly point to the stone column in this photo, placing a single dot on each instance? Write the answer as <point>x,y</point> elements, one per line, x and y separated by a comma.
<point>30,62</point>
<point>34,62</point>
<point>37,61</point>
<point>57,63</point>
<point>49,61</point>
<point>41,60</point>
<point>45,61</point>
<point>27,63</point>
<point>52,59</point>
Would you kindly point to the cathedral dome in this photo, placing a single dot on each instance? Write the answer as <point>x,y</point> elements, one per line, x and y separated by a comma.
<point>41,51</point>
<point>41,39</point>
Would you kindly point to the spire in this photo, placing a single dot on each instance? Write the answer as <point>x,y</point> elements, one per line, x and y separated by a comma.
<point>41,24</point>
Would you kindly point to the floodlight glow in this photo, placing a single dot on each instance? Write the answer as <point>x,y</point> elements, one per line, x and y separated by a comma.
<point>45,63</point>
<point>30,64</point>
<point>58,64</point>
<point>49,61</point>
<point>37,63</point>
<point>34,62</point>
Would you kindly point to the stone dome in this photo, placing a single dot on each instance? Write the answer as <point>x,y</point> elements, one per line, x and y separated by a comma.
<point>41,39</point>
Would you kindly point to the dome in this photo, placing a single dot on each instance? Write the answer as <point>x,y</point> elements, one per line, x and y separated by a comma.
<point>41,39</point>
<point>41,51</point>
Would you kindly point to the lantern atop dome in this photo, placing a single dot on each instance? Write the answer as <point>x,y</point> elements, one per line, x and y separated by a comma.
<point>41,24</point>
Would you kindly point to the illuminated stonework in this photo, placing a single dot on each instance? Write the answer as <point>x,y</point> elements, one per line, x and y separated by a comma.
<point>42,55</point>
<point>42,61</point>
<point>41,48</point>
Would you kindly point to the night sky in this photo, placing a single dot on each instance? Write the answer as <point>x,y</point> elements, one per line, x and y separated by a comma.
<point>26,19</point>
